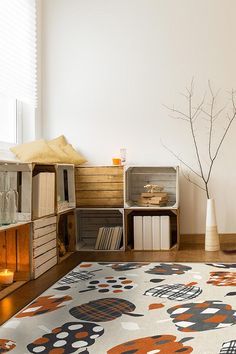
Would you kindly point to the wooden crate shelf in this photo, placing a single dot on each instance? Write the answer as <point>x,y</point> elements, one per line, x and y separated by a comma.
<point>136,177</point>
<point>174,225</point>
<point>25,180</point>
<point>90,220</point>
<point>99,186</point>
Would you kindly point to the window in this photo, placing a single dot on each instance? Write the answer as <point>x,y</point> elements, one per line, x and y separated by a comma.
<point>17,66</point>
<point>8,120</point>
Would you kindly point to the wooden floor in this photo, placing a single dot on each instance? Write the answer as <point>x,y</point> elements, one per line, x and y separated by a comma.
<point>13,303</point>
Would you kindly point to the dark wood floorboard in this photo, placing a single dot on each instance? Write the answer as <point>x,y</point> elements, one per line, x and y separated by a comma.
<point>13,303</point>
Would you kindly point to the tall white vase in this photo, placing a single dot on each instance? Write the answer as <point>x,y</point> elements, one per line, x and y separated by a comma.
<point>212,240</point>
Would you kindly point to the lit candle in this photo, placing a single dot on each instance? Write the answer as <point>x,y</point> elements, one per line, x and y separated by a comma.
<point>6,277</point>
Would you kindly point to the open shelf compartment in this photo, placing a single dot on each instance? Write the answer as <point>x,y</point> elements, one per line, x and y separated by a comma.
<point>174,224</point>
<point>15,255</point>
<point>90,220</point>
<point>136,177</point>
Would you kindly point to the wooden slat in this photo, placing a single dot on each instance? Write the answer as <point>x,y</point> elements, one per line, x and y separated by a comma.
<point>44,239</point>
<point>100,170</point>
<point>23,248</point>
<point>115,202</point>
<point>44,257</point>
<point>83,186</point>
<point>26,192</point>
<point>44,267</point>
<point>44,248</point>
<point>11,249</point>
<point>3,256</point>
<point>99,178</point>
<point>99,194</point>
<point>71,232</point>
<point>37,224</point>
<point>44,230</point>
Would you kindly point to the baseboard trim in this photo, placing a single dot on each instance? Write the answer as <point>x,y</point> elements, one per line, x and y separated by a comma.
<point>198,239</point>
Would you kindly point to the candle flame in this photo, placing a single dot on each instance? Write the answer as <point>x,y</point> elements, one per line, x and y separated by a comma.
<point>6,271</point>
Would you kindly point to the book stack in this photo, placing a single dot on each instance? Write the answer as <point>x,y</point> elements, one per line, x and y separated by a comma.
<point>152,199</point>
<point>43,194</point>
<point>152,233</point>
<point>109,238</point>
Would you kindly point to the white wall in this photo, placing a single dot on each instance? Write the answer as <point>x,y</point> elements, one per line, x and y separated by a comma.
<point>109,65</point>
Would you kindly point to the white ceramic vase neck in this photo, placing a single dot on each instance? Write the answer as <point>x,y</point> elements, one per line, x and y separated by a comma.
<point>212,241</point>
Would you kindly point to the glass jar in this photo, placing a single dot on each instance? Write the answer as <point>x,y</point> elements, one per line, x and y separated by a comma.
<point>11,206</point>
<point>8,200</point>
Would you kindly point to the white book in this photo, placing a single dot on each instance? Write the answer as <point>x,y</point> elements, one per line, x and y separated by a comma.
<point>156,233</point>
<point>147,233</point>
<point>138,232</point>
<point>165,232</point>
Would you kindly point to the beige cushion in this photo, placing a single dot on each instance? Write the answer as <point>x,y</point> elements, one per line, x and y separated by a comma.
<point>35,151</point>
<point>57,146</point>
<point>53,151</point>
<point>59,141</point>
<point>73,156</point>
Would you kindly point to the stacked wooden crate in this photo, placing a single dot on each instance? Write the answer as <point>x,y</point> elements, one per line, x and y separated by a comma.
<point>45,191</point>
<point>99,201</point>
<point>152,225</point>
<point>99,186</point>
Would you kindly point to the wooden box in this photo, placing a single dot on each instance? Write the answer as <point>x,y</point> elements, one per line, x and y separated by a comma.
<point>21,180</point>
<point>44,245</point>
<point>90,220</point>
<point>66,234</point>
<point>174,226</point>
<point>99,186</point>
<point>22,176</point>
<point>65,175</point>
<point>137,177</point>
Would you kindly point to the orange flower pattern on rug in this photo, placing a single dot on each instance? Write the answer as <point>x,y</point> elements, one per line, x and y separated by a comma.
<point>222,278</point>
<point>161,344</point>
<point>44,304</point>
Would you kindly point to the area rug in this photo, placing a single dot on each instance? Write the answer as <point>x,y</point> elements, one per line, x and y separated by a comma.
<point>130,308</point>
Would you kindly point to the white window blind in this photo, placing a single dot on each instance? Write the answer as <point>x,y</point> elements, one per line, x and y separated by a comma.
<point>18,50</point>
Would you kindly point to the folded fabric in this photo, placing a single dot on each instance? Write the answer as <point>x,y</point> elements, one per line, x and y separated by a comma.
<point>73,156</point>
